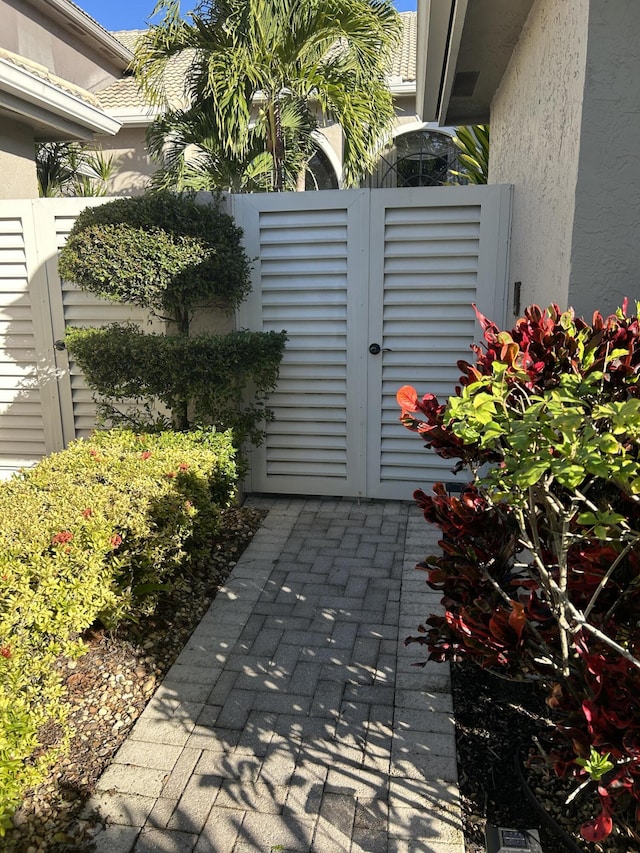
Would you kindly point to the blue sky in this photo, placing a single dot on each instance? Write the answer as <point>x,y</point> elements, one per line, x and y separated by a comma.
<point>132,14</point>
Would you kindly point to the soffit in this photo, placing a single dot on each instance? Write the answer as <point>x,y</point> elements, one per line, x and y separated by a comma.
<point>476,39</point>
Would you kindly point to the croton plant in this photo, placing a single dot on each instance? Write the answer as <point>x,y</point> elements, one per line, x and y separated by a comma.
<point>540,562</point>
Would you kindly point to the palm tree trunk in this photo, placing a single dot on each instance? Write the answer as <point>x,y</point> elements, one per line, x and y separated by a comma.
<point>275,145</point>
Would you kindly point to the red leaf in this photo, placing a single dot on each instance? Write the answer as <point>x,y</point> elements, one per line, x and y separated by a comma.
<point>517,618</point>
<point>596,830</point>
<point>407,399</point>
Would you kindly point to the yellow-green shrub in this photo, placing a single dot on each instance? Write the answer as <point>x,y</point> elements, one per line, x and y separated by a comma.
<point>91,532</point>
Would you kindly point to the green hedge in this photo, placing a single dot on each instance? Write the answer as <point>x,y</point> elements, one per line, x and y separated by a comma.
<point>223,378</point>
<point>93,532</point>
<point>159,250</point>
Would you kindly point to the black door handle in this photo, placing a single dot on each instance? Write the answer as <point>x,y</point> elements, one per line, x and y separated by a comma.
<point>375,349</point>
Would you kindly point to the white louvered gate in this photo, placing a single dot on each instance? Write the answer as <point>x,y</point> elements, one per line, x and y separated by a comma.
<point>339,271</point>
<point>343,271</point>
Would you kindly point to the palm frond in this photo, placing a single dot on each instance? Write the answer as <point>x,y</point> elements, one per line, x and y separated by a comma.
<point>473,144</point>
<point>276,53</point>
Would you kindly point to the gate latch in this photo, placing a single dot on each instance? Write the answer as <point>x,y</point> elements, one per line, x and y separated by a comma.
<point>376,349</point>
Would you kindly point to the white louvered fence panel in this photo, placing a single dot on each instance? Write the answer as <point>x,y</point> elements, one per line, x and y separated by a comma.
<point>307,281</point>
<point>338,271</point>
<point>23,437</point>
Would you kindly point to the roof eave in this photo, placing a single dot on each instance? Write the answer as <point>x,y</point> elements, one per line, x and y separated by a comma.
<point>440,24</point>
<point>465,47</point>
<point>49,109</point>
<point>68,13</point>
<point>134,116</point>
<point>406,87</point>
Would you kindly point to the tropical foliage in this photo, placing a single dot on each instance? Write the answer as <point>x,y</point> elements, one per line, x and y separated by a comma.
<point>72,169</point>
<point>263,73</point>
<point>541,569</point>
<point>473,144</point>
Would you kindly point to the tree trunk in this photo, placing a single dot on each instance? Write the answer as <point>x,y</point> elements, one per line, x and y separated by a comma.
<point>180,416</point>
<point>275,146</point>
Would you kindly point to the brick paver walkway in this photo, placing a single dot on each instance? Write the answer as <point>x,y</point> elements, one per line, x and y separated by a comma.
<point>293,720</point>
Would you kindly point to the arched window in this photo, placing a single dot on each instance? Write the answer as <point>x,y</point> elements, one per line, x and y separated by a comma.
<point>320,173</point>
<point>419,158</point>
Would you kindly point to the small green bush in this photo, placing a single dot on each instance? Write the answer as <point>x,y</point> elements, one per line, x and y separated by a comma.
<point>160,251</point>
<point>209,373</point>
<point>93,532</point>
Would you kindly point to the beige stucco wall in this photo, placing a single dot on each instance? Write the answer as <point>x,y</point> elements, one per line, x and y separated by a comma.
<point>133,169</point>
<point>605,258</point>
<point>29,33</point>
<point>405,106</point>
<point>536,119</point>
<point>17,165</point>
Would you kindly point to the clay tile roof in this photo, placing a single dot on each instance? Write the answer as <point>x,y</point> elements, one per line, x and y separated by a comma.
<point>404,61</point>
<point>44,74</point>
<point>127,37</point>
<point>124,93</point>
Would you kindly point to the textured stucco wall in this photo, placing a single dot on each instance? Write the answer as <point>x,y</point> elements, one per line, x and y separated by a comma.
<point>535,137</point>
<point>605,258</point>
<point>30,33</point>
<point>17,164</point>
<point>133,169</point>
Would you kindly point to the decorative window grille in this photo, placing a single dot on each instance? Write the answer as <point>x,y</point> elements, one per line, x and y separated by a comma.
<point>422,158</point>
<point>320,173</point>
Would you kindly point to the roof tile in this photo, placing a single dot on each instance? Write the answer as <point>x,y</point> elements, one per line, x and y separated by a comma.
<point>125,94</point>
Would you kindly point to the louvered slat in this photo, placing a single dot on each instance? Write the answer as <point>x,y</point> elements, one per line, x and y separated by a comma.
<point>82,309</point>
<point>22,437</point>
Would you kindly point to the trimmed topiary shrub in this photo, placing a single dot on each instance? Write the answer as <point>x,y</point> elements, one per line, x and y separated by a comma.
<point>93,532</point>
<point>161,251</point>
<point>166,253</point>
<point>211,372</point>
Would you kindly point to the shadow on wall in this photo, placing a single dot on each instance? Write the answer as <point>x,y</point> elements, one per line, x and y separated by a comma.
<point>133,169</point>
<point>28,374</point>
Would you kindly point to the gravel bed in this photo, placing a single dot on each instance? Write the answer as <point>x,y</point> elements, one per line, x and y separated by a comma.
<point>496,721</point>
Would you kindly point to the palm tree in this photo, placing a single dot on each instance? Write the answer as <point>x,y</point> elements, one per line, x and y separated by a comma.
<point>259,63</point>
<point>187,146</point>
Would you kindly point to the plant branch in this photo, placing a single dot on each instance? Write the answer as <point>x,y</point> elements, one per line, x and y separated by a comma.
<point>605,579</point>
